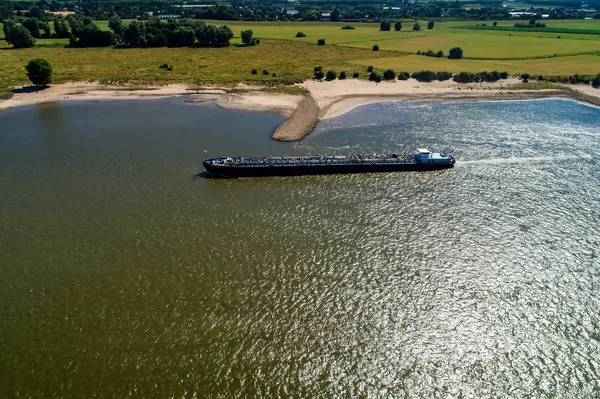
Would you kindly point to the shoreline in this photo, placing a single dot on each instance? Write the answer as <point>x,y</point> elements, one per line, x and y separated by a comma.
<point>323,100</point>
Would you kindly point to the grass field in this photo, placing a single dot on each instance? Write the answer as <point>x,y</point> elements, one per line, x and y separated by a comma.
<point>292,59</point>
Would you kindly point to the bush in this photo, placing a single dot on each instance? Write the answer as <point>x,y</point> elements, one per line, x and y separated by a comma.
<point>164,66</point>
<point>442,76</point>
<point>342,75</point>
<point>300,34</point>
<point>455,53</point>
<point>39,71</point>
<point>398,26</point>
<point>348,27</point>
<point>596,81</point>
<point>389,74</point>
<point>440,54</point>
<point>265,72</point>
<point>465,77</point>
<point>525,77</point>
<point>370,68</point>
<point>374,77</point>
<point>430,24</point>
<point>495,23</point>
<point>385,26</point>
<point>321,42</point>
<point>403,76</point>
<point>317,69</point>
<point>416,26</point>
<point>355,75</point>
<point>424,76</point>
<point>541,78</point>
<point>254,72</point>
<point>247,37</point>
<point>331,75</point>
<point>375,48</point>
<point>504,75</point>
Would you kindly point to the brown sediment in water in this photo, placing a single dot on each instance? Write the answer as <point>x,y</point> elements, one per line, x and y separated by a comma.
<point>301,122</point>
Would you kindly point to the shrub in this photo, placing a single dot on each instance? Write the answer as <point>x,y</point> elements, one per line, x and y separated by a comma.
<point>596,81</point>
<point>374,77</point>
<point>441,76</point>
<point>455,53</point>
<point>318,68</point>
<point>465,77</point>
<point>331,75</point>
<point>355,75</point>
<point>254,72</point>
<point>170,68</point>
<point>300,34</point>
<point>319,75</point>
<point>541,78</point>
<point>39,71</point>
<point>398,26</point>
<point>440,54</point>
<point>164,66</point>
<point>403,76</point>
<point>321,42</point>
<point>424,76</point>
<point>342,75</point>
<point>495,23</point>
<point>375,48</point>
<point>385,26</point>
<point>389,74</point>
<point>504,75</point>
<point>419,52</point>
<point>247,37</point>
<point>416,26</point>
<point>430,24</point>
<point>525,77</point>
<point>370,68</point>
<point>265,72</point>
<point>348,27</point>
<point>493,76</point>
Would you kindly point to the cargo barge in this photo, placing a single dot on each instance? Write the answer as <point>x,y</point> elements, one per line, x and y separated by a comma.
<point>327,164</point>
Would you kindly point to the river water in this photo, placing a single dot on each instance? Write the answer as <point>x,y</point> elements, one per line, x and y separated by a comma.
<point>123,274</point>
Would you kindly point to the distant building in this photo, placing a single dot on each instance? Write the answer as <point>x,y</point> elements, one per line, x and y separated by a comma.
<point>325,16</point>
<point>172,16</point>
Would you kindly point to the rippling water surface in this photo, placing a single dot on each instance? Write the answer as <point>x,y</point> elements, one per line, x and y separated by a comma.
<point>122,275</point>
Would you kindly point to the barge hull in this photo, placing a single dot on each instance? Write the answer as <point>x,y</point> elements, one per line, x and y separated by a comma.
<point>275,170</point>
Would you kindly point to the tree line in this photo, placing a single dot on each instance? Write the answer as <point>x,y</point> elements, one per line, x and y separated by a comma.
<point>83,32</point>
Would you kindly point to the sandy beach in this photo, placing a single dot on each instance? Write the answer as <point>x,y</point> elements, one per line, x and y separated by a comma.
<point>322,100</point>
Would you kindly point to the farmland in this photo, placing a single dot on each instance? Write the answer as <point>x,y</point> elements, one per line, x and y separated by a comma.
<point>286,58</point>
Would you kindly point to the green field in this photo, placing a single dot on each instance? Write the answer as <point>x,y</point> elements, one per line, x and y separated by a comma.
<point>292,59</point>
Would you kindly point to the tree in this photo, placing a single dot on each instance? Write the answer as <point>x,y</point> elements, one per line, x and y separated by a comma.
<point>33,26</point>
<point>389,74</point>
<point>455,53</point>
<point>116,25</point>
<point>247,37</point>
<point>60,27</point>
<point>532,22</point>
<point>398,26</point>
<point>134,35</point>
<point>39,71</point>
<point>38,13</point>
<point>17,35</point>
<point>430,24</point>
<point>335,15</point>
<point>596,82</point>
<point>403,76</point>
<point>385,26</point>
<point>416,26</point>
<point>321,42</point>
